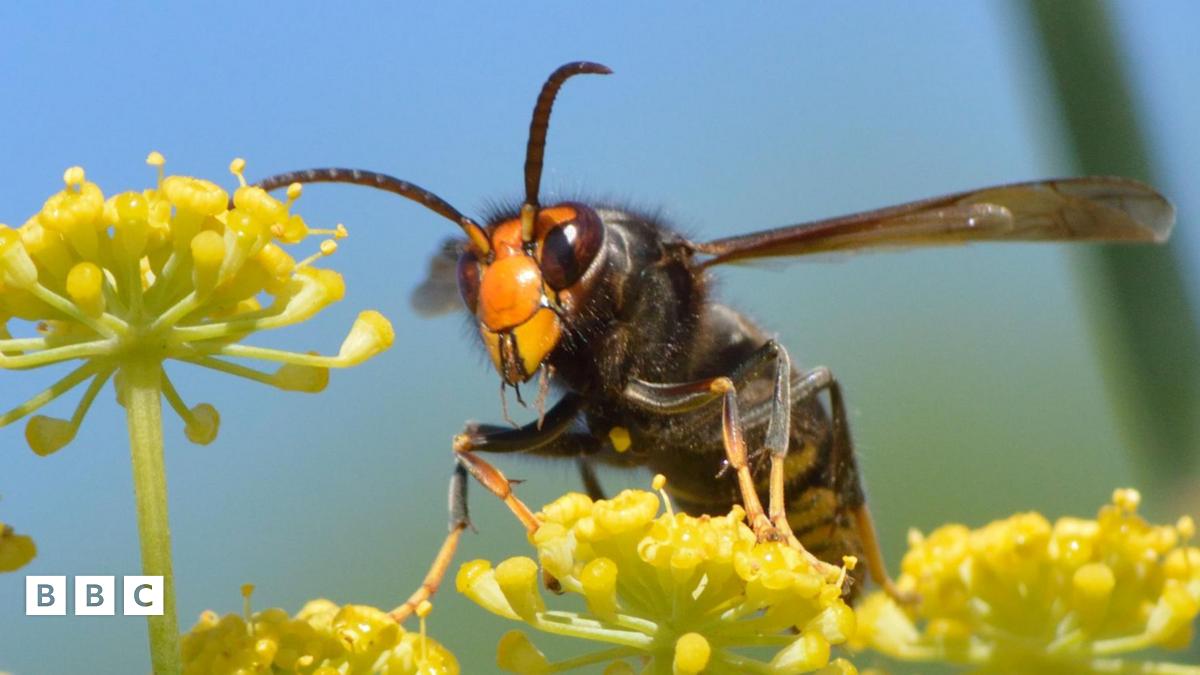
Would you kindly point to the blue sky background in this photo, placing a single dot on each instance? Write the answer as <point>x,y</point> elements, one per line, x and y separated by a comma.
<point>971,374</point>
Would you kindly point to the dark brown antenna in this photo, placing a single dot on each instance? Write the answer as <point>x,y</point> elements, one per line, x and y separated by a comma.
<point>535,150</point>
<point>382,181</point>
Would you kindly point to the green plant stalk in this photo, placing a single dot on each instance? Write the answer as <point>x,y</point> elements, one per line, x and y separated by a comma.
<point>142,394</point>
<point>1147,331</point>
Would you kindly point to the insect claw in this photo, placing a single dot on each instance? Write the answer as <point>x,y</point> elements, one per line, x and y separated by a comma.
<point>462,442</point>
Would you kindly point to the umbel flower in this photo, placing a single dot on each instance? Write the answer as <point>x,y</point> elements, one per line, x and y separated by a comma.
<point>670,592</point>
<point>1025,595</point>
<point>122,284</point>
<point>167,273</point>
<point>322,639</point>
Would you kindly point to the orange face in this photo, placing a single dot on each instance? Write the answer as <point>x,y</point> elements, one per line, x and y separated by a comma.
<point>520,291</point>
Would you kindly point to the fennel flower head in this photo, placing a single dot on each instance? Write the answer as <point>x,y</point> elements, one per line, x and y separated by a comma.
<point>321,639</point>
<point>669,592</point>
<point>172,272</point>
<point>1026,595</point>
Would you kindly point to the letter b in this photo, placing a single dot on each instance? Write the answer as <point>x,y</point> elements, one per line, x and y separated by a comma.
<point>45,596</point>
<point>95,596</point>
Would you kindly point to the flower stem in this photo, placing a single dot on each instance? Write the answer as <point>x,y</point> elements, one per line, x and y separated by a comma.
<point>142,395</point>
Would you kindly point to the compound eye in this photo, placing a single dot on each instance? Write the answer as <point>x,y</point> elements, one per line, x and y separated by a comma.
<point>568,249</point>
<point>468,279</point>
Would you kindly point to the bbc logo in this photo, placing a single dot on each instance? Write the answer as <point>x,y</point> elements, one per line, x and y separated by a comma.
<point>94,596</point>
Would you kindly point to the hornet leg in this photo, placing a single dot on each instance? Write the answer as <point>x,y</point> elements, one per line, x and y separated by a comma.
<point>550,439</point>
<point>848,481</point>
<point>684,397</point>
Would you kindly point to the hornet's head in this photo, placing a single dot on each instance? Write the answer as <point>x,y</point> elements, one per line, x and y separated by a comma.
<point>523,290</point>
<point>524,277</point>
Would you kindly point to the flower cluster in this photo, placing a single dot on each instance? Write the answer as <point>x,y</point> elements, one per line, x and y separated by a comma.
<point>174,272</point>
<point>684,594</point>
<point>16,550</point>
<point>322,639</point>
<point>1025,595</point>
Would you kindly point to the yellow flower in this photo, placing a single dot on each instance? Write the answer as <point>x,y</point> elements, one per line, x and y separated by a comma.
<point>175,272</point>
<point>172,272</point>
<point>322,639</point>
<point>688,595</point>
<point>16,550</point>
<point>1025,595</point>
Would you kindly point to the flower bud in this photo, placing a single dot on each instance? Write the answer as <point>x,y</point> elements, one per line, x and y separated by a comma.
<point>208,253</point>
<point>48,435</point>
<point>85,286</point>
<point>516,654</point>
<point>599,579</point>
<point>129,213</point>
<point>306,379</point>
<point>807,652</point>
<point>77,212</point>
<point>692,652</point>
<point>370,335</point>
<point>518,580</point>
<point>203,422</point>
<point>477,581</point>
<point>16,550</point>
<point>362,629</point>
<point>16,267</point>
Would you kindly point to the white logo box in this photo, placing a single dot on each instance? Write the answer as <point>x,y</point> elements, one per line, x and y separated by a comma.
<point>94,595</point>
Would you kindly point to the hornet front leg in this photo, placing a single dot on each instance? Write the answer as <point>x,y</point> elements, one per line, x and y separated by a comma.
<point>552,437</point>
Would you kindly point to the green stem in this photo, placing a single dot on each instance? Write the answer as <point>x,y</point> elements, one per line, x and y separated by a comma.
<point>142,394</point>
<point>1147,330</point>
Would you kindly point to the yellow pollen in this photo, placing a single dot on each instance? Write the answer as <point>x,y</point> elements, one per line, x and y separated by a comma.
<point>293,192</point>
<point>1187,528</point>
<point>327,248</point>
<point>424,608</point>
<point>155,159</point>
<point>238,168</point>
<point>619,436</point>
<point>658,483</point>
<point>247,591</point>
<point>74,177</point>
<point>1127,499</point>
<point>339,232</point>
